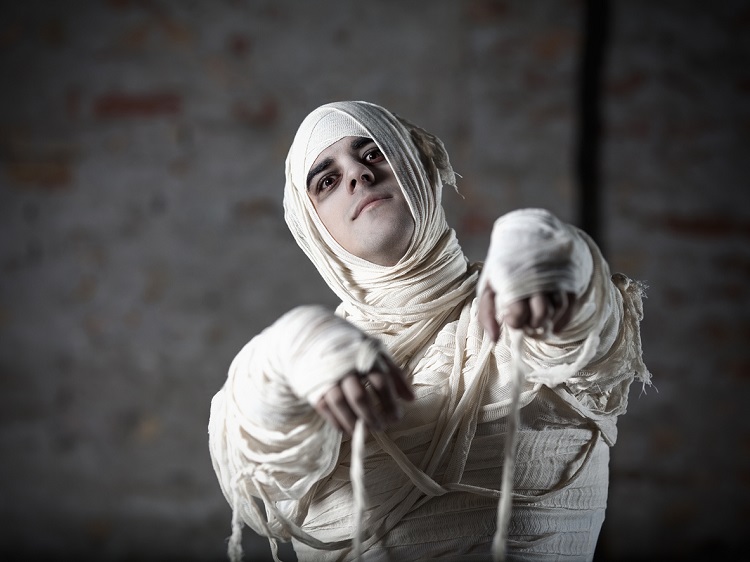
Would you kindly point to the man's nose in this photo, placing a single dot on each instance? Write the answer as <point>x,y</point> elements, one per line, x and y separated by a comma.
<point>360,174</point>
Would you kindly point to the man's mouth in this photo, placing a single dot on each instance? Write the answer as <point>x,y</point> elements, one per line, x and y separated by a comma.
<point>367,202</point>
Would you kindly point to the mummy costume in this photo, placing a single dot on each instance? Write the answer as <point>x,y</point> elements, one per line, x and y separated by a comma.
<point>433,479</point>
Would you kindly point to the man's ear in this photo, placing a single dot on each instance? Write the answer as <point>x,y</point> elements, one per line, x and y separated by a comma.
<point>432,154</point>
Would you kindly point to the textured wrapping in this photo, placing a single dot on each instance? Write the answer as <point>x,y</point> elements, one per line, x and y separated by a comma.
<point>432,479</point>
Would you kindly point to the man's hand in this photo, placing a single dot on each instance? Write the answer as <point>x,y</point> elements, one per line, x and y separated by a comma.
<point>531,314</point>
<point>373,397</point>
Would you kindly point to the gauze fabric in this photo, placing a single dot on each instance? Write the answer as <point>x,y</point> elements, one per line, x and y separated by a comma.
<point>432,479</point>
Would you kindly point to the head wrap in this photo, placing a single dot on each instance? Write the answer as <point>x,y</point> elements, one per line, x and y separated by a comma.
<point>406,303</point>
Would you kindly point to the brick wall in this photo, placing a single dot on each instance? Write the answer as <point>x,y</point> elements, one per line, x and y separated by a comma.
<point>142,241</point>
<point>678,213</point>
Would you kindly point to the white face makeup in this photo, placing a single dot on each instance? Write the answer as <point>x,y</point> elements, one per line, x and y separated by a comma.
<point>359,201</point>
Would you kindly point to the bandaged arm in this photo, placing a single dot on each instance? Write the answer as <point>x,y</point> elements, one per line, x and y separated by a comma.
<point>532,251</point>
<point>266,440</point>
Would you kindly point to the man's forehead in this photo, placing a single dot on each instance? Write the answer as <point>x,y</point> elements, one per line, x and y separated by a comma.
<point>348,144</point>
<point>320,130</point>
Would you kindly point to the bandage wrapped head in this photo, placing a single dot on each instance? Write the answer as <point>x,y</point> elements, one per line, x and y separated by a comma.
<point>421,167</point>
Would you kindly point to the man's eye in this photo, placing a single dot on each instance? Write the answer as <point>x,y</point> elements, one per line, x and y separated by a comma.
<point>326,183</point>
<point>374,155</point>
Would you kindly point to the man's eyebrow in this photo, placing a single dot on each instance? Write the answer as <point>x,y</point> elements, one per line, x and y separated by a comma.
<point>317,169</point>
<point>359,142</point>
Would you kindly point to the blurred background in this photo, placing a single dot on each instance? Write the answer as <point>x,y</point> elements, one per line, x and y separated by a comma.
<point>142,243</point>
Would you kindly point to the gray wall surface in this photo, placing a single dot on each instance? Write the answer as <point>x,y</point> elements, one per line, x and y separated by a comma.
<point>142,242</point>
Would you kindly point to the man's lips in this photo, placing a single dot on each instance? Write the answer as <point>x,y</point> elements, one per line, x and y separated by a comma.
<point>366,201</point>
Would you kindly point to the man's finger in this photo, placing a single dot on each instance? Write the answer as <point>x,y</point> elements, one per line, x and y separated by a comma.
<point>488,314</point>
<point>559,303</point>
<point>400,382</point>
<point>384,388</point>
<point>540,310</point>
<point>322,408</point>
<point>565,317</point>
<point>517,314</point>
<point>359,401</point>
<point>339,407</point>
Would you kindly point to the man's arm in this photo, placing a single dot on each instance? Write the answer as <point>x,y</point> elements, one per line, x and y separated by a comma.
<point>268,435</point>
<point>580,324</point>
<point>536,269</point>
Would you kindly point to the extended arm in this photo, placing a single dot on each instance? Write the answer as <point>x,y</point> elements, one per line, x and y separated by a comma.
<point>267,441</point>
<point>536,269</point>
<point>542,273</point>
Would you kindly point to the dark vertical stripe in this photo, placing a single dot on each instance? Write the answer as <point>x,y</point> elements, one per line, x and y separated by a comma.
<point>588,157</point>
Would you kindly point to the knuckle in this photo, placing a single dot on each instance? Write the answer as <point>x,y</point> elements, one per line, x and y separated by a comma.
<point>375,376</point>
<point>360,399</point>
<point>338,401</point>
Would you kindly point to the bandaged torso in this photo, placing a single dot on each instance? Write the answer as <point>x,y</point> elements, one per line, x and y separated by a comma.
<point>433,479</point>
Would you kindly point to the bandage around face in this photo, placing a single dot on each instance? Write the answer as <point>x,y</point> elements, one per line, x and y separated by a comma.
<point>318,131</point>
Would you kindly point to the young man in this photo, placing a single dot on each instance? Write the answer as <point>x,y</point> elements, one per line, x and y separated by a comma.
<point>422,351</point>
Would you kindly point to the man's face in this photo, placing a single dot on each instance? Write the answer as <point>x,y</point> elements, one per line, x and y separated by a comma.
<point>357,197</point>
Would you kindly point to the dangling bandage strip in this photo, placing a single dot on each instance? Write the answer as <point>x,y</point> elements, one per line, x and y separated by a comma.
<point>357,476</point>
<point>500,541</point>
